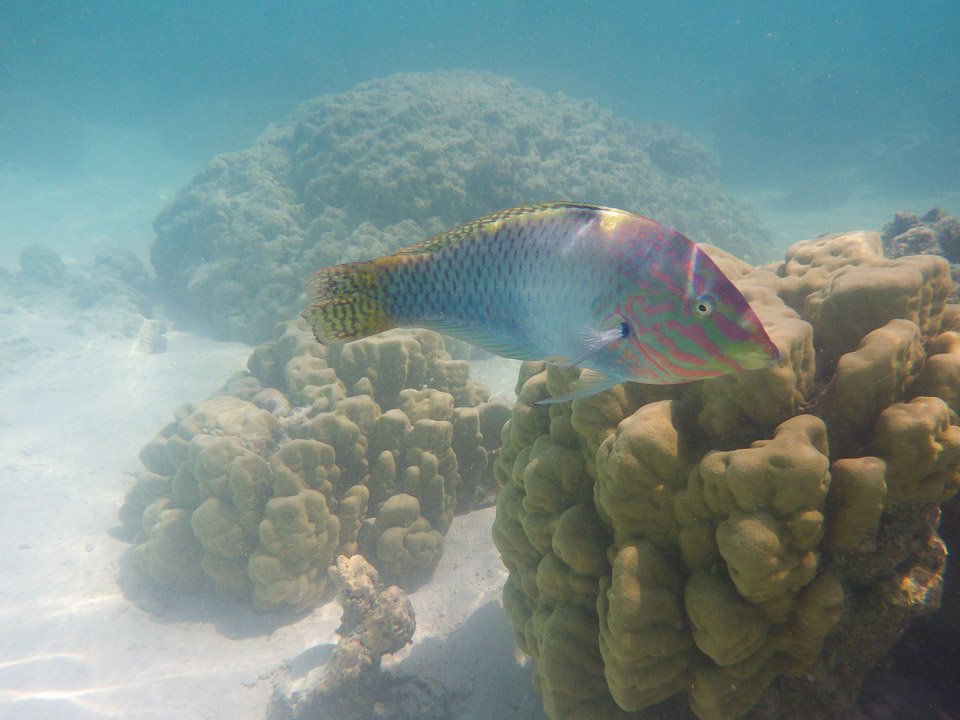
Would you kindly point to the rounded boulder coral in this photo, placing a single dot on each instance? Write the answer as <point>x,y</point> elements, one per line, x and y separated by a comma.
<point>255,491</point>
<point>759,540</point>
<point>356,175</point>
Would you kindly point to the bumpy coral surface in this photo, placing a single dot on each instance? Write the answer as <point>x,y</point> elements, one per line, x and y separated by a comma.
<point>749,546</point>
<point>370,449</point>
<point>356,175</point>
<point>933,233</point>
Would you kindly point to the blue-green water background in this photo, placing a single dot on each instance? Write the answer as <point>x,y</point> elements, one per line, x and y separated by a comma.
<point>113,105</point>
<point>827,116</point>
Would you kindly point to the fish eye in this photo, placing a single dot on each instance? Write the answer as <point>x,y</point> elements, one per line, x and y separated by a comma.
<point>624,330</point>
<point>705,305</point>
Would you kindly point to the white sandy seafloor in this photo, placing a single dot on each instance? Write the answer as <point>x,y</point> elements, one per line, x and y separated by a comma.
<point>76,642</point>
<point>79,638</point>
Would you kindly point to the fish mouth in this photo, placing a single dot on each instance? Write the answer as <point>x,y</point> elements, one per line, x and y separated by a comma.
<point>760,355</point>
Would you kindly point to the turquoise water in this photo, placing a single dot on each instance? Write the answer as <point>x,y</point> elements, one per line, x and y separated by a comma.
<point>825,116</point>
<point>857,93</point>
<point>823,113</point>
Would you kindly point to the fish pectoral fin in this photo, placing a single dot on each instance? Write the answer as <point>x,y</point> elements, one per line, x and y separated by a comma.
<point>589,383</point>
<point>592,342</point>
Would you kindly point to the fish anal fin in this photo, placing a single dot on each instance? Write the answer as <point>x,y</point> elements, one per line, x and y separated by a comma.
<point>498,345</point>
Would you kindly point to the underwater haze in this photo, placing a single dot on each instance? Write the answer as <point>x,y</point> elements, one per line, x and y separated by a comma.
<point>208,514</point>
<point>813,101</point>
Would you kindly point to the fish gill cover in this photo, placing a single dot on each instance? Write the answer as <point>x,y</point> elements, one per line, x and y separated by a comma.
<point>356,175</point>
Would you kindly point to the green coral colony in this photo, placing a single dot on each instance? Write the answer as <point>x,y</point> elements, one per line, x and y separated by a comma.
<point>749,545</point>
<point>256,490</point>
<point>753,544</point>
<point>746,546</point>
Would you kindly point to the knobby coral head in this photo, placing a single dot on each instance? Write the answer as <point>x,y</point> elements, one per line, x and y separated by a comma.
<point>730,521</point>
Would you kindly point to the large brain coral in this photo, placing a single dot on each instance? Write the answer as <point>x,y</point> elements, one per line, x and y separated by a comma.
<point>256,490</point>
<point>356,175</point>
<point>758,541</point>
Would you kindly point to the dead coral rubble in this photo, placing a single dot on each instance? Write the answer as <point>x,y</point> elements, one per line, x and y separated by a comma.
<point>751,545</point>
<point>369,450</point>
<point>376,621</point>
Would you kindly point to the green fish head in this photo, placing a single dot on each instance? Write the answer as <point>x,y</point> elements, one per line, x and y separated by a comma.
<point>686,321</point>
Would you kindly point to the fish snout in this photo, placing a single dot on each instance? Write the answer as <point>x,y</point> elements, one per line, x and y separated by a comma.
<point>759,355</point>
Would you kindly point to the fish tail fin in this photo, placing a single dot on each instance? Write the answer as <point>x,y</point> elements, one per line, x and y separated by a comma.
<point>346,302</point>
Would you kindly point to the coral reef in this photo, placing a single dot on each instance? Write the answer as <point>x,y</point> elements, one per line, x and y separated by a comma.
<point>934,233</point>
<point>749,545</point>
<point>110,294</point>
<point>114,278</point>
<point>359,174</point>
<point>368,449</point>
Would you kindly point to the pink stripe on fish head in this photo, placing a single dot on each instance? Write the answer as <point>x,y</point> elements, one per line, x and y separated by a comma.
<point>674,339</point>
<point>734,320</point>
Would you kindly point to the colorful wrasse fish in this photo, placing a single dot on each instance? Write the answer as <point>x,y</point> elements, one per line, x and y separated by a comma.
<point>616,293</point>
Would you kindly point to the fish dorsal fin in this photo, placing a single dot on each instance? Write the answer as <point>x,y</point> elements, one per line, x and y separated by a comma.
<point>489,223</point>
<point>589,383</point>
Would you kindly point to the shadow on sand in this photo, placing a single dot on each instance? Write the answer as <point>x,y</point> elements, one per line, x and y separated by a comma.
<point>232,617</point>
<point>472,674</point>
